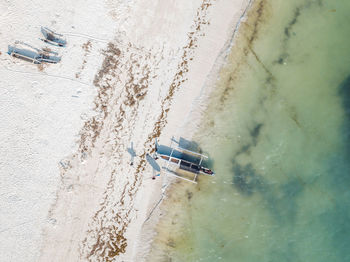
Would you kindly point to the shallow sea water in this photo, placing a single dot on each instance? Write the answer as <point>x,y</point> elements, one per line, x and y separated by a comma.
<point>278,131</point>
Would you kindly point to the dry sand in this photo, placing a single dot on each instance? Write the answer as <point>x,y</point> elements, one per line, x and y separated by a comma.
<point>132,71</point>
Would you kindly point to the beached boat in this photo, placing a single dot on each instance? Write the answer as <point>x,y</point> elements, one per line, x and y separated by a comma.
<point>31,54</point>
<point>183,160</point>
<point>53,38</point>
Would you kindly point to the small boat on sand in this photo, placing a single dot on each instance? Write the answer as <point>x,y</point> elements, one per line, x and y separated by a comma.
<point>31,54</point>
<point>53,38</point>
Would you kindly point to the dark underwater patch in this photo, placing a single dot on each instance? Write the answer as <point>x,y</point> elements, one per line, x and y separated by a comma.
<point>280,200</point>
<point>288,30</point>
<point>245,179</point>
<point>243,150</point>
<point>290,25</point>
<point>287,34</point>
<point>256,132</point>
<point>282,58</point>
<point>335,220</point>
<point>337,227</point>
<point>344,93</point>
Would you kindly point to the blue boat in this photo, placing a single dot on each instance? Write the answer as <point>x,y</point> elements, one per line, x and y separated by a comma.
<point>31,54</point>
<point>53,38</point>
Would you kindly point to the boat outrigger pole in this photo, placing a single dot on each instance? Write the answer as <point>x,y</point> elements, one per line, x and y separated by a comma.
<point>184,159</point>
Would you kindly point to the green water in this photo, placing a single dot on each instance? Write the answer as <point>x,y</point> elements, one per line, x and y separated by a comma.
<point>278,129</point>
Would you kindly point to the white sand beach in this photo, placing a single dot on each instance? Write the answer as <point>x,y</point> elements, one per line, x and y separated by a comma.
<point>132,71</point>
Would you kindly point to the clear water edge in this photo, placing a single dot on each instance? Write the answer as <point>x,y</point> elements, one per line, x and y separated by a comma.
<point>278,133</point>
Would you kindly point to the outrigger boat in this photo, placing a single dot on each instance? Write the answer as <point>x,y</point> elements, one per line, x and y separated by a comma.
<point>53,38</point>
<point>29,53</point>
<point>183,160</point>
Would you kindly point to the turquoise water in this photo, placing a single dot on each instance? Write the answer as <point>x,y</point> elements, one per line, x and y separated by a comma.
<point>278,130</point>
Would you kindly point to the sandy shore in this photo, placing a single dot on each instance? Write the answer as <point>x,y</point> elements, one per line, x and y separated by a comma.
<point>132,71</point>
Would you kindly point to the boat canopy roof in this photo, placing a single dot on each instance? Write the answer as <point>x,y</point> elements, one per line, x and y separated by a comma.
<point>179,153</point>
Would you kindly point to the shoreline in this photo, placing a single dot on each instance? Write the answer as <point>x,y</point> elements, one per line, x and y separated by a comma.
<point>192,125</point>
<point>153,74</point>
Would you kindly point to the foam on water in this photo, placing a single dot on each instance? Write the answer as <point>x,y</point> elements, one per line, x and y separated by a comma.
<point>278,129</point>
